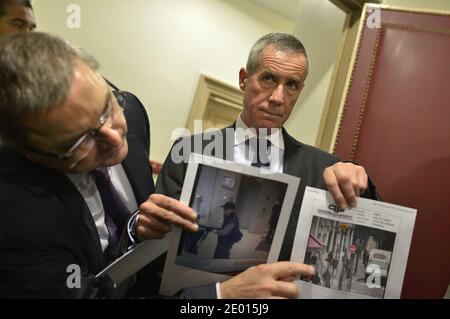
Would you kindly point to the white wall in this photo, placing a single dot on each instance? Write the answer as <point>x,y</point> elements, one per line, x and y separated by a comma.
<point>157,48</point>
<point>318,25</point>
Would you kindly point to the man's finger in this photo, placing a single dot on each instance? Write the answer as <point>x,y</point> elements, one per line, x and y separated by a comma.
<point>363,179</point>
<point>333,187</point>
<point>347,181</point>
<point>153,224</point>
<point>144,233</point>
<point>175,206</point>
<point>285,290</point>
<point>288,278</point>
<point>166,216</point>
<point>174,219</point>
<point>285,269</point>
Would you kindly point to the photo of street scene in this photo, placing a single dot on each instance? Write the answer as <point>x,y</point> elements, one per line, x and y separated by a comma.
<point>345,256</point>
<point>237,216</point>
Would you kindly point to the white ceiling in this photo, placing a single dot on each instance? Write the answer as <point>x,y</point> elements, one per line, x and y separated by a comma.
<point>286,8</point>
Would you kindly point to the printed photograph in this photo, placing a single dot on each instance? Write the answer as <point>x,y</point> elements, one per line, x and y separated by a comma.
<point>349,257</point>
<point>237,215</point>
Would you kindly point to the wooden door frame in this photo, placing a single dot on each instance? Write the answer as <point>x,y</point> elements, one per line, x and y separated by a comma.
<point>210,88</point>
<point>345,56</point>
<point>347,51</point>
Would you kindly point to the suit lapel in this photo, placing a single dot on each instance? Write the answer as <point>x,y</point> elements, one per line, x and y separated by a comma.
<point>75,203</point>
<point>67,193</point>
<point>292,161</point>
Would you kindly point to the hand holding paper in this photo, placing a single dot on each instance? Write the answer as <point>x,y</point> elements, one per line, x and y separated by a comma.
<point>358,253</point>
<point>159,213</point>
<point>266,281</point>
<point>345,181</point>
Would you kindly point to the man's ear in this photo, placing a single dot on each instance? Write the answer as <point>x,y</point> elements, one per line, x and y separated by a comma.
<point>242,79</point>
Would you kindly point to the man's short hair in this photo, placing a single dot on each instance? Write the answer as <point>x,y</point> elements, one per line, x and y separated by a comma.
<point>36,71</point>
<point>25,3</point>
<point>282,42</point>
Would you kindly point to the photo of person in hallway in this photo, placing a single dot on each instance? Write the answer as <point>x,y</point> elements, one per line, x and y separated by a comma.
<point>236,219</point>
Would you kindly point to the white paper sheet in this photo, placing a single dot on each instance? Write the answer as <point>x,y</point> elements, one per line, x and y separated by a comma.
<point>135,259</point>
<point>208,184</point>
<point>358,253</point>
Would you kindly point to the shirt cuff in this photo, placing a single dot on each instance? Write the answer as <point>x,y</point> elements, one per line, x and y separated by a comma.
<point>131,230</point>
<point>219,296</point>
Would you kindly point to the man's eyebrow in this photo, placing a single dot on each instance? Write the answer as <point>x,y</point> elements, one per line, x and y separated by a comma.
<point>296,79</point>
<point>108,98</point>
<point>34,25</point>
<point>19,20</point>
<point>268,72</point>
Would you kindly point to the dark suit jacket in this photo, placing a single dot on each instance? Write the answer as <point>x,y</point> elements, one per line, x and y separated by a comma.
<point>300,160</point>
<point>45,224</point>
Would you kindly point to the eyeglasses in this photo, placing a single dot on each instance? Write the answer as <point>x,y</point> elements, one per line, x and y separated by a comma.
<point>87,140</point>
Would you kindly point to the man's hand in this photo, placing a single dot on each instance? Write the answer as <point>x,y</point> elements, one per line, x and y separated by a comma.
<point>159,213</point>
<point>266,281</point>
<point>345,181</point>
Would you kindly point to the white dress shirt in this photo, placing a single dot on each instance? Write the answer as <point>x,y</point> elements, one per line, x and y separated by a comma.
<point>245,154</point>
<point>88,189</point>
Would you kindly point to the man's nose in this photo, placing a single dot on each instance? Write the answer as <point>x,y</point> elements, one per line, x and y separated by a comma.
<point>110,135</point>
<point>277,96</point>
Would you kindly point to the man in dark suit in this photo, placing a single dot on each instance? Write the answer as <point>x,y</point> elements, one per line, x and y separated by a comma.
<point>69,150</point>
<point>73,167</point>
<point>276,71</point>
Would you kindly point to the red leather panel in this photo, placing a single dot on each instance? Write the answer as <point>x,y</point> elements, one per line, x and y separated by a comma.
<point>397,124</point>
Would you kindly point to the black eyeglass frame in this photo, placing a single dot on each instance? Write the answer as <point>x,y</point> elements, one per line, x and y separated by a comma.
<point>90,133</point>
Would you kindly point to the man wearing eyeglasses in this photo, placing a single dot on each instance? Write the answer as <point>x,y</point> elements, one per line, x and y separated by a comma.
<point>59,125</point>
<point>71,159</point>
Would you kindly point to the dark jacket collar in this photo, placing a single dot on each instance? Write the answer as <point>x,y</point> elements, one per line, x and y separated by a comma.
<point>292,160</point>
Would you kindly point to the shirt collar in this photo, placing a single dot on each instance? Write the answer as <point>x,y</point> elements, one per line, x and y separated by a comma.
<point>243,133</point>
<point>82,180</point>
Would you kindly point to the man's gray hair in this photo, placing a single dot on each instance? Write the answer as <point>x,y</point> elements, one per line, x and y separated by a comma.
<point>282,42</point>
<point>36,71</point>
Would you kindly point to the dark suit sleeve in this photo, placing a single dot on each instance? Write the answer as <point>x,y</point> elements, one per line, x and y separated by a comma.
<point>31,264</point>
<point>200,292</point>
<point>171,178</point>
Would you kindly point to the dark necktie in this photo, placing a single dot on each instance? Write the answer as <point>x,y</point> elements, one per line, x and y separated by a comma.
<point>116,212</point>
<point>262,152</point>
